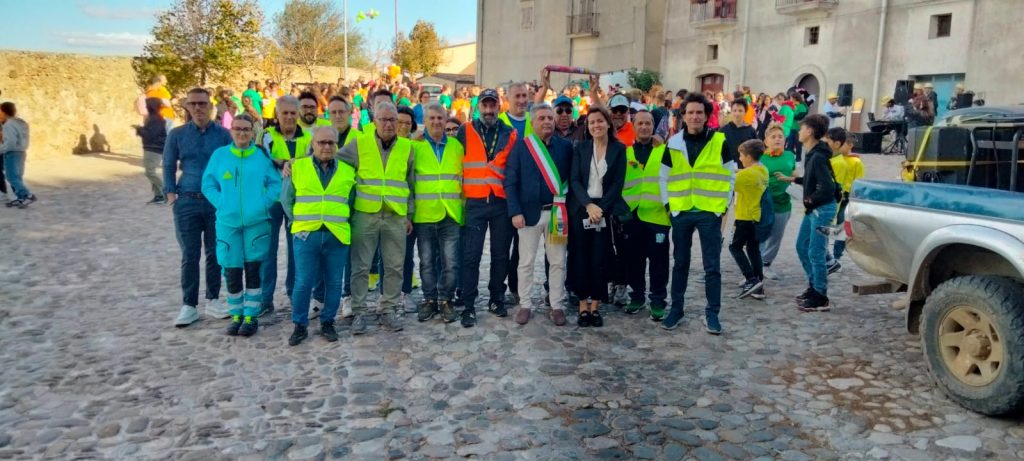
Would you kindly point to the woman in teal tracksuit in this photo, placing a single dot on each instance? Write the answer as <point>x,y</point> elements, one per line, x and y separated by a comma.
<point>241,182</point>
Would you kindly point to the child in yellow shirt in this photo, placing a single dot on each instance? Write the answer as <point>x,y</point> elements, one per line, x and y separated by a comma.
<point>751,183</point>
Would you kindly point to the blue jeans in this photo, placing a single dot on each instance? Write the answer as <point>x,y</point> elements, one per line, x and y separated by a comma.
<point>438,240</point>
<point>709,230</point>
<point>14,166</point>
<point>811,246</point>
<point>318,257</point>
<point>269,268</point>
<point>195,228</point>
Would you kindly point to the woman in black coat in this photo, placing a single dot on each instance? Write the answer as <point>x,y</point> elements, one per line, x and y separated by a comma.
<point>595,189</point>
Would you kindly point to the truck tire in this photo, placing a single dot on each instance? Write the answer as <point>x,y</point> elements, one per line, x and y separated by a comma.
<point>973,339</point>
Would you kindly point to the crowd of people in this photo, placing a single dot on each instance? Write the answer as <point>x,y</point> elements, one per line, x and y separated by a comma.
<point>597,182</point>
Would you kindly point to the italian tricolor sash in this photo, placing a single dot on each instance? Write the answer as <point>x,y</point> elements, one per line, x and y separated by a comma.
<point>559,231</point>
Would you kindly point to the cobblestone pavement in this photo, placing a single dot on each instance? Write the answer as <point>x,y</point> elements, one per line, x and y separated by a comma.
<point>93,368</point>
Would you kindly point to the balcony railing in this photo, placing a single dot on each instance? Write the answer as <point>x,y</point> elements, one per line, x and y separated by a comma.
<point>804,6</point>
<point>713,14</point>
<point>582,25</point>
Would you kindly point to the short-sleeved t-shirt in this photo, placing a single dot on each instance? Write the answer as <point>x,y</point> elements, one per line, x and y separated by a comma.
<point>255,97</point>
<point>854,171</point>
<point>166,112</point>
<point>446,101</point>
<point>784,163</point>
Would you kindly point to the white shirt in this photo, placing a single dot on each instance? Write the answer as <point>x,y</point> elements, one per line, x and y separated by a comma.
<point>597,170</point>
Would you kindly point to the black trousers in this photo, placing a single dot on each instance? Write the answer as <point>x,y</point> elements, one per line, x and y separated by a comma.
<point>589,257</point>
<point>645,243</point>
<point>618,263</point>
<point>483,216</point>
<point>745,236</point>
<point>3,179</point>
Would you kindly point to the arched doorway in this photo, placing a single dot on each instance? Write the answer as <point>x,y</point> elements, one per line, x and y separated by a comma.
<point>711,82</point>
<point>810,83</point>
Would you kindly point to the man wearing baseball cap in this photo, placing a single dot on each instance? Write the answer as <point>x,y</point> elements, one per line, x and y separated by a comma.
<point>487,144</point>
<point>619,106</point>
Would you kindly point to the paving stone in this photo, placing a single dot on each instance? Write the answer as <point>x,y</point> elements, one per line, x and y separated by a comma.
<point>591,429</point>
<point>967,443</point>
<point>673,452</point>
<point>707,454</point>
<point>362,435</point>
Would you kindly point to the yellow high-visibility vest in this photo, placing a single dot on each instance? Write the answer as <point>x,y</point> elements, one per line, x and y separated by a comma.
<point>438,185</point>
<point>279,146</point>
<point>316,206</point>
<point>641,190</point>
<point>703,186</point>
<point>529,126</point>
<point>376,184</point>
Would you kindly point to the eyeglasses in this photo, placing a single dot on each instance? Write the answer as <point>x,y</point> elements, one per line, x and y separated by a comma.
<point>241,130</point>
<point>453,129</point>
<point>563,110</point>
<point>385,120</point>
<point>327,143</point>
<point>197,103</point>
<point>620,110</point>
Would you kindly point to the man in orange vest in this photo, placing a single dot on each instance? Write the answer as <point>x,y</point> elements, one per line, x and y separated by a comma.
<point>487,142</point>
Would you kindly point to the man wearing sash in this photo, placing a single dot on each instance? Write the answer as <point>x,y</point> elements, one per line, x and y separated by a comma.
<point>536,182</point>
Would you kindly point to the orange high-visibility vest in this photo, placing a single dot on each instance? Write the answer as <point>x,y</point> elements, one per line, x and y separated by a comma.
<point>481,178</point>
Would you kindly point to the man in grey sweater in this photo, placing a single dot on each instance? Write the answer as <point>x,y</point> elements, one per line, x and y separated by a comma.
<point>13,147</point>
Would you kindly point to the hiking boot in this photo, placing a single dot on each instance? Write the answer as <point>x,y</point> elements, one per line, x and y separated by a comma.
<point>657,313</point>
<point>360,325</point>
<point>596,320</point>
<point>674,318</point>
<point>249,326</point>
<point>522,316</point>
<point>834,267</point>
<point>750,287</point>
<point>299,334</point>
<point>583,319</point>
<point>468,318</point>
<point>186,316</point>
<point>711,324</point>
<point>634,306</point>
<point>816,302</point>
<point>328,332</point>
<point>390,321</point>
<point>448,313</point>
<point>427,310</point>
<point>498,309</point>
<point>236,323</point>
<point>557,317</point>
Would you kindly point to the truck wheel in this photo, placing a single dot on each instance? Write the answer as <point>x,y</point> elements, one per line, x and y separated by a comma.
<point>973,340</point>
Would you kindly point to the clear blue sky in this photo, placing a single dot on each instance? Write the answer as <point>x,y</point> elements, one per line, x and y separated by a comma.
<point>121,27</point>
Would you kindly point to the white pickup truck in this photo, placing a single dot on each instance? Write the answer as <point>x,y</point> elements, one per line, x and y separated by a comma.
<point>957,251</point>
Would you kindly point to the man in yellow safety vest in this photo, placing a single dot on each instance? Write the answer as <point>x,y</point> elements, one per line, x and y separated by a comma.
<point>698,190</point>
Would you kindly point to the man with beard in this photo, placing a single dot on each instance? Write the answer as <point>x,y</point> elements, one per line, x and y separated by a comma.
<point>488,143</point>
<point>307,113</point>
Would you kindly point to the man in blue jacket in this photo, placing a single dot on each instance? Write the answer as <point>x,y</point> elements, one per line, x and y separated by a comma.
<point>189,148</point>
<point>240,181</point>
<point>537,182</point>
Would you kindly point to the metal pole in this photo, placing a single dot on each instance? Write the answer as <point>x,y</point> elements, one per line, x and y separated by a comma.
<point>344,72</point>
<point>396,22</point>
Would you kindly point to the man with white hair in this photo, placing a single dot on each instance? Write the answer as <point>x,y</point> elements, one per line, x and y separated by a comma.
<point>382,213</point>
<point>285,142</point>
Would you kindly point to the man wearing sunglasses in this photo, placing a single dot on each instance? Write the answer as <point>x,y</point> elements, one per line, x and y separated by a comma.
<point>619,106</point>
<point>285,142</point>
<point>189,147</point>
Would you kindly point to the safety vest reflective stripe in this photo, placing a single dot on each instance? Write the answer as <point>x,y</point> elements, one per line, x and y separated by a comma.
<point>642,190</point>
<point>706,185</point>
<point>705,193</point>
<point>482,181</point>
<point>326,198</point>
<point>395,198</point>
<point>310,217</point>
<point>377,184</point>
<point>438,177</point>
<point>638,197</point>
<point>278,146</point>
<point>474,165</point>
<point>432,196</point>
<point>482,178</point>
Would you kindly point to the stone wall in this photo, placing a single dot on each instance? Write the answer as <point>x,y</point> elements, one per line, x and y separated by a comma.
<point>68,98</point>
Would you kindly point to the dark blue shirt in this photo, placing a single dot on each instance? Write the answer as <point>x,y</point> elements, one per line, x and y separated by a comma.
<point>525,186</point>
<point>190,148</point>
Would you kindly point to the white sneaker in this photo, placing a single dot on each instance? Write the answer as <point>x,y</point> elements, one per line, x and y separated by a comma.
<point>315,309</point>
<point>770,274</point>
<point>346,306</point>
<point>217,309</point>
<point>187,316</point>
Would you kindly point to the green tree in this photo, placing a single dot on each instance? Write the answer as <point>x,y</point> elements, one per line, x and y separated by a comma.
<point>422,51</point>
<point>644,79</point>
<point>312,33</point>
<point>200,41</point>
